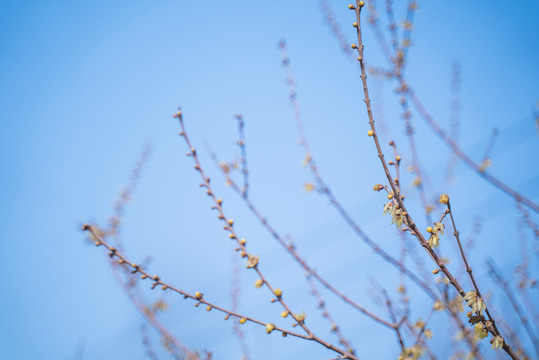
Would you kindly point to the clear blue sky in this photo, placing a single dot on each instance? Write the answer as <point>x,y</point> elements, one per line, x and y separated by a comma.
<point>84,85</point>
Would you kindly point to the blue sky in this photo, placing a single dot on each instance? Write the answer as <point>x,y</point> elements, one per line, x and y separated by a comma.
<point>85,85</point>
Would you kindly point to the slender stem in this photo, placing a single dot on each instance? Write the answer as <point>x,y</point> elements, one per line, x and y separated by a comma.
<point>327,315</point>
<point>389,306</point>
<point>468,268</point>
<point>241,144</point>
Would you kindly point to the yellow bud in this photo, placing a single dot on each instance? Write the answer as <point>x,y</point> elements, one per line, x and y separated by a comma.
<point>429,229</point>
<point>361,3</point>
<point>390,196</point>
<point>444,199</point>
<point>353,46</point>
<point>269,327</point>
<point>243,241</point>
<point>398,158</point>
<point>209,308</point>
<point>370,133</point>
<point>243,320</point>
<point>351,7</point>
<point>354,24</point>
<point>259,283</point>
<point>435,271</point>
<point>278,292</point>
<point>230,222</point>
<point>284,314</point>
<point>198,295</point>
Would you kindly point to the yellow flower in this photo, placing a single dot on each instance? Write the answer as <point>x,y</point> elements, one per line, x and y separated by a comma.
<point>306,160</point>
<point>309,187</point>
<point>434,241</point>
<point>485,164</point>
<point>252,261</point>
<point>475,302</point>
<point>438,305</point>
<point>480,331</point>
<point>300,317</point>
<point>497,342</point>
<point>269,328</point>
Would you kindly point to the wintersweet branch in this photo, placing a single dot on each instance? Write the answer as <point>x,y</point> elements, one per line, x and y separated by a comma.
<point>252,261</point>
<point>198,297</point>
<point>408,219</point>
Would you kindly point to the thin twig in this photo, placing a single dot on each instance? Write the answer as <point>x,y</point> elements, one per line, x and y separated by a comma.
<point>243,160</point>
<point>456,233</point>
<point>234,294</point>
<point>147,343</point>
<point>327,315</point>
<point>389,306</point>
